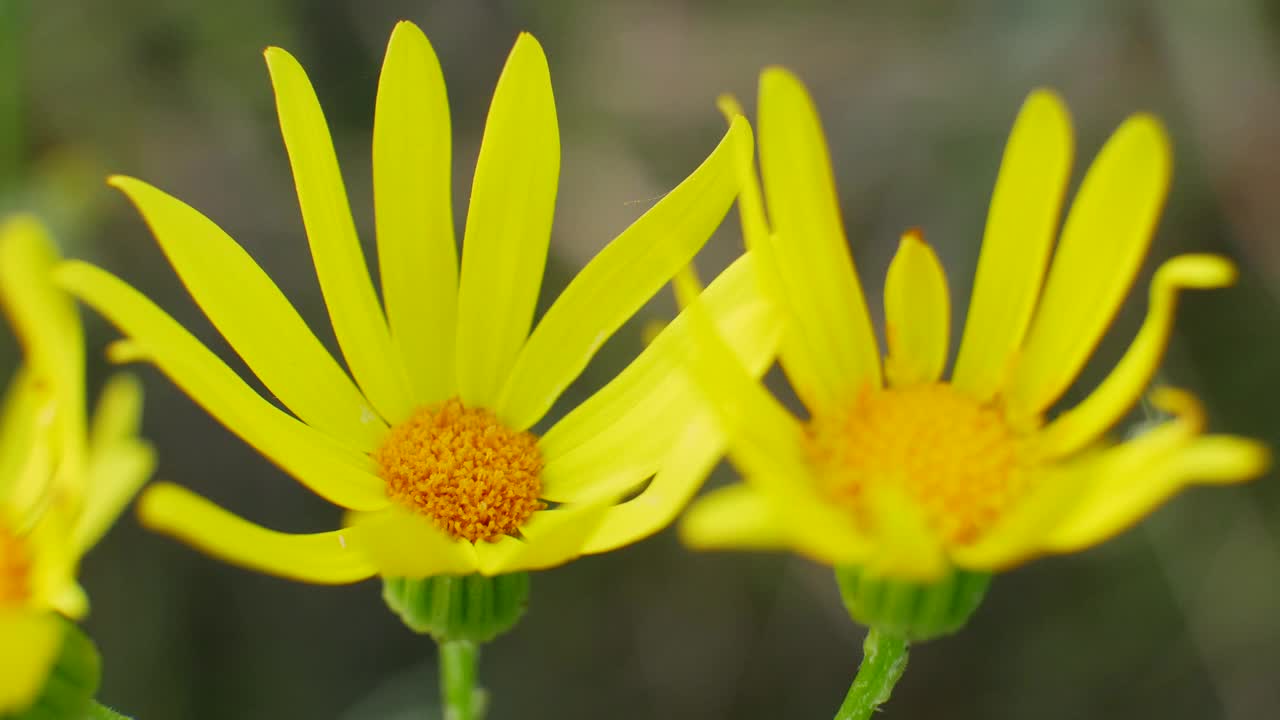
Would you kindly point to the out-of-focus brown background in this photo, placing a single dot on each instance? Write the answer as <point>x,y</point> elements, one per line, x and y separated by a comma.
<point>1178,618</point>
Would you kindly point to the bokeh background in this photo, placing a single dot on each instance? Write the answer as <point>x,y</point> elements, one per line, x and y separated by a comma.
<point>1178,618</point>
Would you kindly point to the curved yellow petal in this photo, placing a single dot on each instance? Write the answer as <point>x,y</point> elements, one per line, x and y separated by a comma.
<point>734,517</point>
<point>117,417</point>
<point>1104,239</point>
<point>32,641</point>
<point>1084,423</point>
<point>618,281</point>
<point>413,208</point>
<point>1021,226</point>
<point>619,436</point>
<point>905,546</point>
<point>917,310</point>
<point>321,558</point>
<point>1138,475</point>
<point>835,351</point>
<point>48,326</point>
<point>401,543</point>
<point>357,318</point>
<point>504,247</point>
<point>691,459</point>
<point>550,538</point>
<point>261,325</point>
<point>331,470</point>
<point>755,228</point>
<point>19,432</point>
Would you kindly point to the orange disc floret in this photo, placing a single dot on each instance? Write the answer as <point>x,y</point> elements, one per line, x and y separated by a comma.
<point>15,569</point>
<point>954,458</point>
<point>478,479</point>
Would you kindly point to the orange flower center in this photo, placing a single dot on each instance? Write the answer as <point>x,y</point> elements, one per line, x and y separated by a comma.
<point>460,466</point>
<point>15,569</point>
<point>954,458</point>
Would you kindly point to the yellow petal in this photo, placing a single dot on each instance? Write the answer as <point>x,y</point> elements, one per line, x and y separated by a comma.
<point>619,436</point>
<point>261,325</point>
<point>19,430</point>
<point>32,641</point>
<point>1137,476</point>
<point>618,281</point>
<point>1112,399</point>
<point>905,546</point>
<point>550,538</point>
<point>118,414</point>
<point>735,517</point>
<point>1021,226</point>
<point>401,543</point>
<point>766,442</point>
<point>48,326</point>
<point>321,558</point>
<point>834,352</point>
<point>331,470</point>
<point>755,228</point>
<point>917,312</point>
<point>412,191</point>
<point>504,247</point>
<point>1104,239</point>
<point>357,318</point>
<point>691,459</point>
<point>115,474</point>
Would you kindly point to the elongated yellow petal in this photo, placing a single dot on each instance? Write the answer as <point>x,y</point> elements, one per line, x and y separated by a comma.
<point>118,415</point>
<point>48,326</point>
<point>905,546</point>
<point>357,318</point>
<point>1021,226</point>
<point>1087,421</point>
<point>321,558</point>
<point>256,319</point>
<point>917,310</point>
<point>31,644</point>
<point>755,228</point>
<point>550,538</point>
<point>766,442</point>
<point>735,517</point>
<point>18,429</point>
<point>1138,475</point>
<point>331,470</point>
<point>618,281</point>
<point>401,543</point>
<point>832,328</point>
<point>412,200</point>
<point>115,474</point>
<point>504,248</point>
<point>691,459</point>
<point>1104,239</point>
<point>619,436</point>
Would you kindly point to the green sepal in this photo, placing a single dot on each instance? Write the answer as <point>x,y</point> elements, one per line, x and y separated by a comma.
<point>72,682</point>
<point>474,608</point>
<point>915,611</point>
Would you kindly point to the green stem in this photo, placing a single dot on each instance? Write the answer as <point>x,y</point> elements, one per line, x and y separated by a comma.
<point>98,711</point>
<point>884,658</point>
<point>460,697</point>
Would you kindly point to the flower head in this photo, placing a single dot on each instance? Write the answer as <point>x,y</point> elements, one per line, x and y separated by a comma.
<point>904,473</point>
<point>427,442</point>
<point>63,478</point>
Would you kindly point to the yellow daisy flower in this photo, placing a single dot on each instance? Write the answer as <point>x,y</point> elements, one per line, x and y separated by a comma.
<point>906,474</point>
<point>427,442</point>
<point>63,478</point>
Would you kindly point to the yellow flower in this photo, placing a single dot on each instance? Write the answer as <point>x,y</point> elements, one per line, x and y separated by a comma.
<point>907,474</point>
<point>63,480</point>
<point>427,443</point>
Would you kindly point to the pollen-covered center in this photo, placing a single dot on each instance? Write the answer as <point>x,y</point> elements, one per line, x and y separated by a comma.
<point>460,466</point>
<point>954,458</point>
<point>15,569</point>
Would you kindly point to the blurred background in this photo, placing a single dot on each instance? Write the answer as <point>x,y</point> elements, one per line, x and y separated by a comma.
<point>1178,618</point>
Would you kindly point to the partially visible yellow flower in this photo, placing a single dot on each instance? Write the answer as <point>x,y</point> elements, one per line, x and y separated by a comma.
<point>907,474</point>
<point>427,442</point>
<point>63,479</point>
